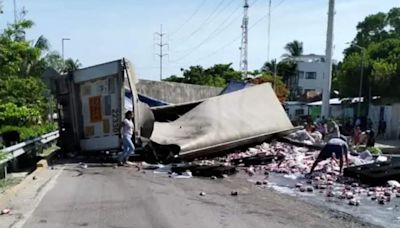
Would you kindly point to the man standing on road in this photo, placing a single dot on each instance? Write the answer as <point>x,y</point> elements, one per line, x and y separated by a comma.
<point>127,133</point>
<point>336,148</point>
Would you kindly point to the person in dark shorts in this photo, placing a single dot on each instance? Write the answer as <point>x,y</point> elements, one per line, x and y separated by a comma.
<point>371,138</point>
<point>336,148</point>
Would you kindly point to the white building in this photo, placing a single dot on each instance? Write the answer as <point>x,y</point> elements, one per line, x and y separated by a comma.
<point>310,73</point>
<point>295,109</point>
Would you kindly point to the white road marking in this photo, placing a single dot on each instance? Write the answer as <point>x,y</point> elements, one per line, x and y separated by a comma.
<point>20,223</point>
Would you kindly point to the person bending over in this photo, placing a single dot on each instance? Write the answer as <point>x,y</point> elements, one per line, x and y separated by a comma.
<point>336,148</point>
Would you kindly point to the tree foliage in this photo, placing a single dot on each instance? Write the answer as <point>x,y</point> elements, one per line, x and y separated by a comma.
<point>11,114</point>
<point>279,86</point>
<point>22,63</point>
<point>23,92</point>
<point>376,28</point>
<point>293,49</point>
<point>379,35</point>
<point>217,75</point>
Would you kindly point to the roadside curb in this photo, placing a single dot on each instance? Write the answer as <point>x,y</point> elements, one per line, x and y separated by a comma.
<point>44,162</point>
<point>27,180</point>
<point>8,193</point>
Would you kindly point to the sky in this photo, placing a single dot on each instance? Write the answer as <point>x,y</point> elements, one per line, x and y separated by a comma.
<point>198,32</point>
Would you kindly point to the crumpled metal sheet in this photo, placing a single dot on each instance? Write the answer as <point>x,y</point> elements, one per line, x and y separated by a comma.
<point>224,122</point>
<point>144,118</point>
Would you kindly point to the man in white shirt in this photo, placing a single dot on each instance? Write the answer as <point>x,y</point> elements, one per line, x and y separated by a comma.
<point>336,148</point>
<point>127,133</point>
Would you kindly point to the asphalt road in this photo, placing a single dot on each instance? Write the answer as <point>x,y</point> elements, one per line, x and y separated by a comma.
<point>103,196</point>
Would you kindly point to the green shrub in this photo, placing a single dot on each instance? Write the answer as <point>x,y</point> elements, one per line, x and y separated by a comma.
<point>11,114</point>
<point>375,150</point>
<point>31,132</point>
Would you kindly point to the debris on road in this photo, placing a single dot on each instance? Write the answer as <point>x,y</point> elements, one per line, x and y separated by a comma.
<point>5,211</point>
<point>234,193</point>
<point>83,165</point>
<point>354,202</point>
<point>204,170</point>
<point>202,193</point>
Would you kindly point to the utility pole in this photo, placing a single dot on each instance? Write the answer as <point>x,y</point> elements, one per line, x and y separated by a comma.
<point>62,46</point>
<point>275,73</point>
<point>269,30</point>
<point>363,50</point>
<point>244,44</point>
<point>161,45</point>
<point>326,93</point>
<point>15,11</point>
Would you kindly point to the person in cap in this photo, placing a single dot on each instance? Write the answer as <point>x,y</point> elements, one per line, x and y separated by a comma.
<point>336,148</point>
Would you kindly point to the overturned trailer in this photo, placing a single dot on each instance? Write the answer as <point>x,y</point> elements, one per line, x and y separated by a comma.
<point>92,102</point>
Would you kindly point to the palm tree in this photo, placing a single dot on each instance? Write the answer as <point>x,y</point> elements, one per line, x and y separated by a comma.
<point>31,64</point>
<point>269,66</point>
<point>42,44</point>
<point>71,65</point>
<point>294,49</point>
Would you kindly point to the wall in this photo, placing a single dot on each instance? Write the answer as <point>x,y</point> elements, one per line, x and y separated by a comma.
<point>391,115</point>
<point>314,84</point>
<point>335,111</point>
<point>176,93</point>
<point>291,110</point>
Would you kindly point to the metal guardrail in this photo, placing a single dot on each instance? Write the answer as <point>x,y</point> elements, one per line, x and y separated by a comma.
<point>21,148</point>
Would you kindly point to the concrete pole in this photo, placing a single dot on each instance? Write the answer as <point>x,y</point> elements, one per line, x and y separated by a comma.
<point>15,11</point>
<point>62,46</point>
<point>269,29</point>
<point>361,83</point>
<point>328,60</point>
<point>275,72</point>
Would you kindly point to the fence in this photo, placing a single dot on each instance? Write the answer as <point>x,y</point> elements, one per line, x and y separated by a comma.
<point>14,151</point>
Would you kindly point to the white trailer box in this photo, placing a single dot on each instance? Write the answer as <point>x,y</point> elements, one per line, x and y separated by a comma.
<point>92,106</point>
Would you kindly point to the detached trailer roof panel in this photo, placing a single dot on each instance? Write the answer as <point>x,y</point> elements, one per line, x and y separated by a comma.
<point>224,122</point>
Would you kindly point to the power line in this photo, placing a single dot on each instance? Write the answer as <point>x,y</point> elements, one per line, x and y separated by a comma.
<point>213,34</point>
<point>204,22</point>
<point>189,19</point>
<point>280,3</point>
<point>238,37</point>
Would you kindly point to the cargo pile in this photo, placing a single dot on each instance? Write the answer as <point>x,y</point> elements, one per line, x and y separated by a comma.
<point>326,180</point>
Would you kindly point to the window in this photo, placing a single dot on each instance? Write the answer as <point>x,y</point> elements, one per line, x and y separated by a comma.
<point>311,75</point>
<point>299,112</point>
<point>301,74</point>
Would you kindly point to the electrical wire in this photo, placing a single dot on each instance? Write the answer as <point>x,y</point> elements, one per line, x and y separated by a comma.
<point>213,34</point>
<point>199,28</point>
<point>238,37</point>
<point>220,28</point>
<point>189,19</point>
